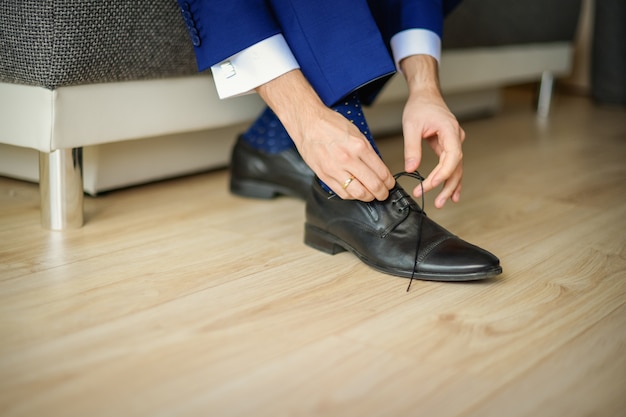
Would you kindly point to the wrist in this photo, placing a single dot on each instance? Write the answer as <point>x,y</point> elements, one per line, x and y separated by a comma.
<point>422,74</point>
<point>292,99</point>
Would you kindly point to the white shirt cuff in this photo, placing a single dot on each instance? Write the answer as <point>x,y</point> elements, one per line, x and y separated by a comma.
<point>256,65</point>
<point>415,42</point>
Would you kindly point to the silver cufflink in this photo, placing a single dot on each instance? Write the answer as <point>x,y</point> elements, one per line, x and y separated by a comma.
<point>228,69</point>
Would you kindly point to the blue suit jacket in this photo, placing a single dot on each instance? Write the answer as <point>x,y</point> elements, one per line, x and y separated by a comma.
<point>341,45</point>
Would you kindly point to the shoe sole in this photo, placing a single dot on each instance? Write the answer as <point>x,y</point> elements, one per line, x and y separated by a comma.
<point>331,244</point>
<point>259,189</point>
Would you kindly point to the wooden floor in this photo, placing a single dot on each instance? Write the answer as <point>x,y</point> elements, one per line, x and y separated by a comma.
<point>178,299</point>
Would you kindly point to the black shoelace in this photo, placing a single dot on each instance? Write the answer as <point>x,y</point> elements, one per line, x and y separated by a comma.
<point>415,175</point>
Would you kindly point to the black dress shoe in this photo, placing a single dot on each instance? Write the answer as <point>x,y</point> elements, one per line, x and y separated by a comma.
<point>257,174</point>
<point>393,236</point>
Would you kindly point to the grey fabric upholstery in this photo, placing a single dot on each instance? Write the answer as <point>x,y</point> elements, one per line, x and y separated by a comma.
<point>56,43</point>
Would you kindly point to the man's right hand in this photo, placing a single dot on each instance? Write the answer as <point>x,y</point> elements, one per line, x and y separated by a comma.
<point>330,144</point>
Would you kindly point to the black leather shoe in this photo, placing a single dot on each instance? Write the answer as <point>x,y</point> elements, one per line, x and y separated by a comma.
<point>258,174</point>
<point>393,236</point>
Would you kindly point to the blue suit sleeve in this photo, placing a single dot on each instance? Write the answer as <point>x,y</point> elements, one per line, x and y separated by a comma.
<point>394,16</point>
<point>422,14</point>
<point>220,28</point>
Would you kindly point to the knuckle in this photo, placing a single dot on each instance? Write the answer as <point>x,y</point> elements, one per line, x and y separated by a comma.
<point>358,147</point>
<point>381,189</point>
<point>457,155</point>
<point>343,157</point>
<point>360,194</point>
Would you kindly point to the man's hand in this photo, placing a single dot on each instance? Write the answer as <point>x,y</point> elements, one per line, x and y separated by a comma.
<point>426,117</point>
<point>333,147</point>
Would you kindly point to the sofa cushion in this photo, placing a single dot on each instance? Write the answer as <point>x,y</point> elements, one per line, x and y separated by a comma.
<point>57,43</point>
<point>484,23</point>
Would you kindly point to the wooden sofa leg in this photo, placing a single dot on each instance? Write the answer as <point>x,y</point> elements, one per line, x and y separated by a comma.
<point>61,188</point>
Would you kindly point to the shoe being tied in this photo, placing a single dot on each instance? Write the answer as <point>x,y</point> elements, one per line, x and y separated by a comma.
<point>393,236</point>
<point>258,174</point>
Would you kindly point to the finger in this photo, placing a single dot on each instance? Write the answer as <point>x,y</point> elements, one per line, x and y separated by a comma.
<point>361,162</point>
<point>449,160</point>
<point>451,188</point>
<point>456,196</point>
<point>372,177</point>
<point>412,148</point>
<point>377,178</point>
<point>428,184</point>
<point>372,183</point>
<point>354,190</point>
<point>371,171</point>
<point>448,164</point>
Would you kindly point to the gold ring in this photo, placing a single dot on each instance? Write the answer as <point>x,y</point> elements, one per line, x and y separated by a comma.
<point>347,182</point>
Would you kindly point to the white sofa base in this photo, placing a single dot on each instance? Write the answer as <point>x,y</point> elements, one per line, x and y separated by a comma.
<point>115,165</point>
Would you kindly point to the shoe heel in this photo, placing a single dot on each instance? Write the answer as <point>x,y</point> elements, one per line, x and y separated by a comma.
<point>252,189</point>
<point>320,240</point>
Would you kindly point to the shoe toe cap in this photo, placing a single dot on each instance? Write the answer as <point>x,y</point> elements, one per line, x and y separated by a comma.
<point>456,257</point>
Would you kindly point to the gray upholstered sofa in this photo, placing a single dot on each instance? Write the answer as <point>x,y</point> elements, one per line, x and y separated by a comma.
<point>101,94</point>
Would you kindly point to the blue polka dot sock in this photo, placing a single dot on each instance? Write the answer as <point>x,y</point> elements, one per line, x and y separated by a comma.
<point>267,134</point>
<point>350,107</point>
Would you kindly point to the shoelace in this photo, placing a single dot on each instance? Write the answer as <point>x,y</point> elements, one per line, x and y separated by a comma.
<point>415,175</point>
